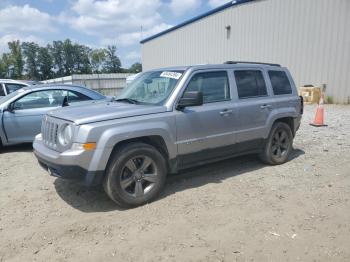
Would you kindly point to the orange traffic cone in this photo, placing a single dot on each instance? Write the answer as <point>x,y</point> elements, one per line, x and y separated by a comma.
<point>319,118</point>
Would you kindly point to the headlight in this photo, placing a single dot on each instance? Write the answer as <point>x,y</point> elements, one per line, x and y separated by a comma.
<point>65,135</point>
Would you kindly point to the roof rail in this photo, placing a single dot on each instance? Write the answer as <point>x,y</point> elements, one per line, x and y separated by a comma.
<point>246,62</point>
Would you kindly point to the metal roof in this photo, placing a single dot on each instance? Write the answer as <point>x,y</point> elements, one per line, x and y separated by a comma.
<point>216,10</point>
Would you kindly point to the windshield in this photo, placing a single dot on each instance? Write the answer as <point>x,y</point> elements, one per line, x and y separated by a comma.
<point>151,87</point>
<point>8,97</point>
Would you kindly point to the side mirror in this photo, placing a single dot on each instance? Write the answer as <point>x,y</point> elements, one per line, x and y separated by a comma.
<point>65,102</point>
<point>191,98</point>
<point>11,107</point>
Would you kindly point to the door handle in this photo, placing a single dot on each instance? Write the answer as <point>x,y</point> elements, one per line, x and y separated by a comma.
<point>266,106</point>
<point>226,112</point>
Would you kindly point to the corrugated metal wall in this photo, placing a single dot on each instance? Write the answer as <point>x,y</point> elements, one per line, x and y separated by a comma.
<point>310,37</point>
<point>107,84</point>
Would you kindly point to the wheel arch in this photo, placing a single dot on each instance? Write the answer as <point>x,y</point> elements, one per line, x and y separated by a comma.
<point>287,120</point>
<point>156,141</point>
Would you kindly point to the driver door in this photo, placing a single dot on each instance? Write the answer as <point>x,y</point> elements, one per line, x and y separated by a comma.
<point>24,122</point>
<point>206,132</point>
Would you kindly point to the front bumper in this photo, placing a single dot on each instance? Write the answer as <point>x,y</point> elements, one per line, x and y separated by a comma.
<point>71,165</point>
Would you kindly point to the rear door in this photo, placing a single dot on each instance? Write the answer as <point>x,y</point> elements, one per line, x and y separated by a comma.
<point>204,131</point>
<point>24,123</point>
<point>254,106</point>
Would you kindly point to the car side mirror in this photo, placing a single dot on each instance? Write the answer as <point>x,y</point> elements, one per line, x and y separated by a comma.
<point>11,107</point>
<point>191,98</point>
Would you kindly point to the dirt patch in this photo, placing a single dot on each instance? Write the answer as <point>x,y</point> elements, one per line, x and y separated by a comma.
<point>235,210</point>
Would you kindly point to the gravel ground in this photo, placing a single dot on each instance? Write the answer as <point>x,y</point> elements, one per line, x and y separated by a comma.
<point>235,210</point>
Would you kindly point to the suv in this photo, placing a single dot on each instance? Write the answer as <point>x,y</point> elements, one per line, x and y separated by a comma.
<point>171,119</point>
<point>8,86</point>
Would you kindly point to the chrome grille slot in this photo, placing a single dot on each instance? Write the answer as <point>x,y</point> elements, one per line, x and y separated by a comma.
<point>49,132</point>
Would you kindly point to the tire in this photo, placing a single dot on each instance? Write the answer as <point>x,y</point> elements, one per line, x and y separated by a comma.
<point>135,175</point>
<point>279,145</point>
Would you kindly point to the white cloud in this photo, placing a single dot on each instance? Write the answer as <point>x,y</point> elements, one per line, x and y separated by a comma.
<point>216,3</point>
<point>24,19</point>
<point>132,38</point>
<point>12,37</point>
<point>133,55</point>
<point>180,7</point>
<point>113,17</point>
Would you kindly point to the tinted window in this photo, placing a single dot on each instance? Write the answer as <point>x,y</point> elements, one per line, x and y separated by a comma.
<point>280,83</point>
<point>76,97</point>
<point>10,88</point>
<point>250,83</point>
<point>2,93</point>
<point>213,85</point>
<point>41,99</point>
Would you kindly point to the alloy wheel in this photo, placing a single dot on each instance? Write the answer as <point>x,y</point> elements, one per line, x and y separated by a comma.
<point>139,176</point>
<point>280,144</point>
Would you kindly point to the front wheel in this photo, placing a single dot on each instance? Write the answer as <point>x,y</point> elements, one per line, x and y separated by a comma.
<point>136,175</point>
<point>278,145</point>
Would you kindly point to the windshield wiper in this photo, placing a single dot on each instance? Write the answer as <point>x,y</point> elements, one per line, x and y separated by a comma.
<point>128,100</point>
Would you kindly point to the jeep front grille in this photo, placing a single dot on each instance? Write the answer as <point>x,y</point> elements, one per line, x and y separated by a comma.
<point>49,130</point>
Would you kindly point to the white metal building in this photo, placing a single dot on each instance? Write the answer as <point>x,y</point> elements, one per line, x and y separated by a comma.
<point>310,37</point>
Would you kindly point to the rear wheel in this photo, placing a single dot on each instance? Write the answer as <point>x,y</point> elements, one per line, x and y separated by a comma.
<point>136,175</point>
<point>278,145</point>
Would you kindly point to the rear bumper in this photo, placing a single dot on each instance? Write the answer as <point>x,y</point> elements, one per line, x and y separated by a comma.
<point>68,166</point>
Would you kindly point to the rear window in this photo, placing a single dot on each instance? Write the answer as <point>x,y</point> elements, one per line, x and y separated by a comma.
<point>250,83</point>
<point>2,92</point>
<point>10,88</point>
<point>280,83</point>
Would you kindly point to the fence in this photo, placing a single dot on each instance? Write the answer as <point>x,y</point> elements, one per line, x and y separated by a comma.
<point>106,84</point>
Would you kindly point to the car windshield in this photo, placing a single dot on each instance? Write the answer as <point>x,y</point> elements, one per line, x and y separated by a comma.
<point>150,88</point>
<point>8,97</point>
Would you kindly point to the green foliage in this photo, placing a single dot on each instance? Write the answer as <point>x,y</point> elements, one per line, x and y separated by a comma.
<point>98,58</point>
<point>61,58</point>
<point>16,58</point>
<point>329,100</point>
<point>45,63</point>
<point>113,64</point>
<point>135,68</point>
<point>30,52</point>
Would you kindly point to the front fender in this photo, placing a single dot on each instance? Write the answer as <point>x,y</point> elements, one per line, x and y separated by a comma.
<point>115,134</point>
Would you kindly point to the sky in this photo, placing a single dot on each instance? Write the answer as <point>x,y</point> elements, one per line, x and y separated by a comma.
<point>95,23</point>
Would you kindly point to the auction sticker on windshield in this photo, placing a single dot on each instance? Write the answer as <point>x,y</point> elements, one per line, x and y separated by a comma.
<point>174,75</point>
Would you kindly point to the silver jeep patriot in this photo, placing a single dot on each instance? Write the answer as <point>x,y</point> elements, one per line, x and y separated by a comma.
<point>171,119</point>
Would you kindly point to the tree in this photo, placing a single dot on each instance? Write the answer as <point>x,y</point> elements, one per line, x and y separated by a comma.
<point>135,68</point>
<point>68,54</point>
<point>97,60</point>
<point>16,57</point>
<point>30,52</point>
<point>56,51</point>
<point>6,63</point>
<point>82,59</point>
<point>45,63</point>
<point>61,58</point>
<point>113,64</point>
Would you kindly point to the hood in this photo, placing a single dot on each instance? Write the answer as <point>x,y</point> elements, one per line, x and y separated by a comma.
<point>83,114</point>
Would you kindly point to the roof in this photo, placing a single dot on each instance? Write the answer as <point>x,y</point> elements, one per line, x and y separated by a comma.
<point>13,81</point>
<point>211,12</point>
<point>84,90</point>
